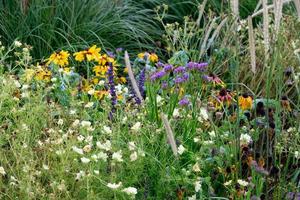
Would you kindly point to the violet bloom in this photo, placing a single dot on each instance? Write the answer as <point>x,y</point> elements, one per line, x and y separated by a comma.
<point>157,75</point>
<point>186,76</point>
<point>118,50</point>
<point>184,102</point>
<point>179,80</point>
<point>179,69</point>
<point>164,84</point>
<point>293,196</point>
<point>111,54</point>
<point>142,78</point>
<point>168,68</point>
<point>198,66</point>
<point>112,89</point>
<point>159,64</point>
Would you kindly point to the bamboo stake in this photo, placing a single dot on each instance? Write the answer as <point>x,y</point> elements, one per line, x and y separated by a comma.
<point>278,14</point>
<point>170,135</point>
<point>132,79</point>
<point>235,7</point>
<point>297,5</point>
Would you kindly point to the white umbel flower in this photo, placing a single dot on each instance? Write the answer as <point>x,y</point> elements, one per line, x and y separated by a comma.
<point>245,139</point>
<point>130,191</point>
<point>136,127</point>
<point>242,183</point>
<point>117,156</point>
<point>105,146</point>
<point>107,129</point>
<point>114,185</point>
<point>133,156</point>
<point>77,150</point>
<point>85,160</point>
<point>180,150</point>
<point>2,171</point>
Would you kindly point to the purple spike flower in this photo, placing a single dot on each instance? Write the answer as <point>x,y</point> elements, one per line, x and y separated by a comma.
<point>179,69</point>
<point>112,89</point>
<point>179,80</point>
<point>198,66</point>
<point>157,75</point>
<point>168,68</point>
<point>159,64</point>
<point>118,50</point>
<point>184,102</point>
<point>142,79</point>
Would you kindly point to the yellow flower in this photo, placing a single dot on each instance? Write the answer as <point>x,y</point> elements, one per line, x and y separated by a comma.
<point>93,53</point>
<point>60,58</point>
<point>99,94</point>
<point>100,70</point>
<point>245,102</point>
<point>28,74</point>
<point>153,58</point>
<point>80,56</point>
<point>141,55</point>
<point>95,81</point>
<point>67,69</point>
<point>43,74</point>
<point>122,80</point>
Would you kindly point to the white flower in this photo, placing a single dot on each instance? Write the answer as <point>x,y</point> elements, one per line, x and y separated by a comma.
<point>75,123</point>
<point>89,105</point>
<point>2,171</point>
<point>192,197</point>
<point>101,83</point>
<point>91,92</point>
<point>196,167</point>
<point>85,160</point>
<point>96,172</point>
<point>133,156</point>
<point>136,126</point>
<point>94,157</point>
<point>297,155</point>
<point>130,191</point>
<point>176,113</point>
<point>53,79</point>
<point>204,113</point>
<point>107,129</point>
<point>159,100</point>
<point>17,84</point>
<point>181,149</point>
<point>245,139</point>
<point>45,167</point>
<point>17,43</point>
<point>105,146</point>
<point>103,156</point>
<point>117,156</point>
<point>124,120</point>
<point>77,150</point>
<point>79,175</point>
<point>212,134</point>
<point>131,146</point>
<point>208,142</point>
<point>25,87</point>
<point>87,148</point>
<point>197,186</point>
<point>60,122</point>
<point>85,124</point>
<point>25,95</point>
<point>242,182</point>
<point>228,183</point>
<point>196,139</point>
<point>114,185</point>
<point>72,112</point>
<point>80,138</point>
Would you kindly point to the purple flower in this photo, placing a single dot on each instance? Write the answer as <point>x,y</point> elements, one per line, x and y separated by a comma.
<point>111,54</point>
<point>142,78</point>
<point>159,64</point>
<point>118,50</point>
<point>168,68</point>
<point>179,80</point>
<point>179,69</point>
<point>184,102</point>
<point>157,75</point>
<point>111,83</point>
<point>164,84</point>
<point>186,76</point>
<point>293,196</point>
<point>198,66</point>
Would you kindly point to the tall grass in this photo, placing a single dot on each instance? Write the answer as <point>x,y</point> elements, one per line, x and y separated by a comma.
<point>49,25</point>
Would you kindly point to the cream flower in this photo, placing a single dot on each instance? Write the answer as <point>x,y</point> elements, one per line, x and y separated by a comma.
<point>77,150</point>
<point>180,150</point>
<point>114,185</point>
<point>136,127</point>
<point>133,156</point>
<point>85,160</point>
<point>105,146</point>
<point>2,171</point>
<point>117,156</point>
<point>130,191</point>
<point>242,182</point>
